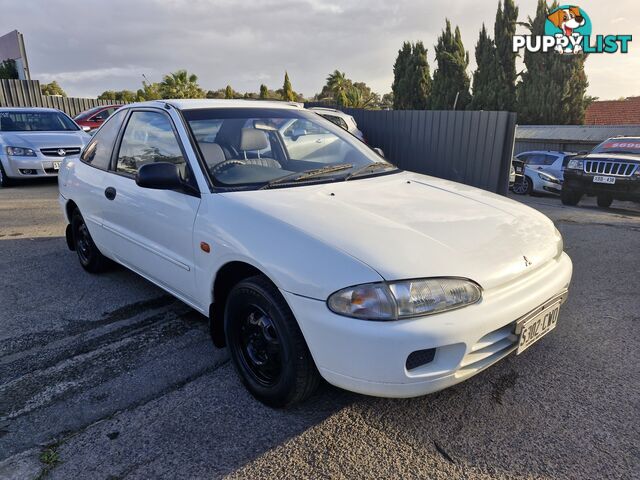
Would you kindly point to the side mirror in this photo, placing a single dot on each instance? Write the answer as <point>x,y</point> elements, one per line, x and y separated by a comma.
<point>159,176</point>
<point>85,128</point>
<point>379,151</point>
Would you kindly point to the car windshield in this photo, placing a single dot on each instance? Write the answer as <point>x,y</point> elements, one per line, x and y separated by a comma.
<point>268,147</point>
<point>619,145</point>
<point>35,121</point>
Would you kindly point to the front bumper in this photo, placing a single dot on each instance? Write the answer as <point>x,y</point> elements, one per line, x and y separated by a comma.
<point>371,357</point>
<point>544,186</point>
<point>625,188</point>
<point>30,167</point>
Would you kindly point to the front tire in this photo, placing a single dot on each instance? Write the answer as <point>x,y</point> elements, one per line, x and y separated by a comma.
<point>570,197</point>
<point>90,257</point>
<point>605,201</point>
<point>525,187</point>
<point>266,345</point>
<point>4,180</point>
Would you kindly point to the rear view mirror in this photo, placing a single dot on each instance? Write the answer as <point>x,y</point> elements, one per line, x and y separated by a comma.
<point>297,133</point>
<point>379,151</point>
<point>159,176</point>
<point>85,128</point>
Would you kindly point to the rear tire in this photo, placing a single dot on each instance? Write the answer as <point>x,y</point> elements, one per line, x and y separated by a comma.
<point>90,257</point>
<point>4,180</point>
<point>570,197</point>
<point>605,201</point>
<point>266,345</point>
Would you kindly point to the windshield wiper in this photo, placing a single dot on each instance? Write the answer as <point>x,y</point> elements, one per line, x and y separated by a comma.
<point>300,176</point>
<point>370,168</point>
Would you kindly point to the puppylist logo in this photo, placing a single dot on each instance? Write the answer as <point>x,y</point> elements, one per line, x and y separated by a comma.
<point>567,30</point>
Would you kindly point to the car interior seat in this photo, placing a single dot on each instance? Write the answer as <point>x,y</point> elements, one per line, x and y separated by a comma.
<point>254,140</point>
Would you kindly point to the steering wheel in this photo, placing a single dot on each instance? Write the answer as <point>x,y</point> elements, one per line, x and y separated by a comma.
<point>222,166</point>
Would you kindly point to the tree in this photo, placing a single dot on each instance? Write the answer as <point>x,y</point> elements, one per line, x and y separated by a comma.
<point>401,78</point>
<point>386,103</point>
<point>552,89</point>
<point>52,89</point>
<point>337,86</point>
<point>149,91</point>
<point>124,96</point>
<point>264,92</point>
<point>450,80</point>
<point>180,84</point>
<point>287,91</point>
<point>504,30</point>
<point>229,93</point>
<point>488,75</point>
<point>9,70</point>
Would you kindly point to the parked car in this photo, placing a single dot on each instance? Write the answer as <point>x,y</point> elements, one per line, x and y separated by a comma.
<point>330,269</point>
<point>543,172</point>
<point>94,117</point>
<point>611,172</point>
<point>341,119</point>
<point>35,141</point>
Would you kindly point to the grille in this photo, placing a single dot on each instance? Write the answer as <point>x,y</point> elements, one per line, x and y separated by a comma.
<point>53,152</point>
<point>489,349</point>
<point>616,169</point>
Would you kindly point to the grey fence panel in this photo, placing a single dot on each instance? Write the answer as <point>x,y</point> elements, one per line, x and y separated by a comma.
<point>468,147</point>
<point>27,93</point>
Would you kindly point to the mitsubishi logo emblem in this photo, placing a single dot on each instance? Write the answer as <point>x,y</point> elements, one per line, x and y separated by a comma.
<point>527,263</point>
<point>62,152</point>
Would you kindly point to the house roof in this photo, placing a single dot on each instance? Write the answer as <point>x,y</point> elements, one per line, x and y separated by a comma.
<point>575,133</point>
<point>614,112</point>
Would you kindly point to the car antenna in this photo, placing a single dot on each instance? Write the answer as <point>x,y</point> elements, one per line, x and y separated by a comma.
<point>167,106</point>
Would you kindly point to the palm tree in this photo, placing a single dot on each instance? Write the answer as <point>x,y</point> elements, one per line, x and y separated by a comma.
<point>181,84</point>
<point>338,84</point>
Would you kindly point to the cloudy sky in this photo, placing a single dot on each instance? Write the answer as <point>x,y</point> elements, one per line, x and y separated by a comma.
<point>89,46</point>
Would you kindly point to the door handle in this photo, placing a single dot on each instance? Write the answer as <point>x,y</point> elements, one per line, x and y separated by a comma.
<point>110,193</point>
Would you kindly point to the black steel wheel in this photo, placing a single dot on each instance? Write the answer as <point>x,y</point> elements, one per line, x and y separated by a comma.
<point>266,345</point>
<point>90,257</point>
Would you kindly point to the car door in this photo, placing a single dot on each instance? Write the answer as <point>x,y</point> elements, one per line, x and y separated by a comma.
<point>152,229</point>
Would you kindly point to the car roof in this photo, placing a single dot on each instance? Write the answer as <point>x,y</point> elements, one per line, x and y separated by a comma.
<point>331,111</point>
<point>635,139</point>
<point>28,109</point>
<point>553,152</point>
<point>193,104</point>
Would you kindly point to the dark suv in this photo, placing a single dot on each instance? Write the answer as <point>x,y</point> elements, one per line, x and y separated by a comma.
<point>611,172</point>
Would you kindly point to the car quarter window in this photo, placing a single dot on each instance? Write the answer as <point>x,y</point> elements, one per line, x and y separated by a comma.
<point>98,152</point>
<point>148,138</point>
<point>337,120</point>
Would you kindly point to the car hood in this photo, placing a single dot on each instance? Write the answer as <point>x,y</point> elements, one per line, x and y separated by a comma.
<point>37,140</point>
<point>407,225</point>
<point>625,157</point>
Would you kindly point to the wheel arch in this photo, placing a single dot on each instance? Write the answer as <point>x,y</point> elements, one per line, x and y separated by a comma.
<point>226,277</point>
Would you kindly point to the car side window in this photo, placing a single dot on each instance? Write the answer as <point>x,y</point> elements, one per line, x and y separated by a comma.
<point>149,137</point>
<point>98,152</point>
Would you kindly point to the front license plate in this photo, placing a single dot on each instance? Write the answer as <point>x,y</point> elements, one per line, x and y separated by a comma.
<point>603,179</point>
<point>56,165</point>
<point>537,327</point>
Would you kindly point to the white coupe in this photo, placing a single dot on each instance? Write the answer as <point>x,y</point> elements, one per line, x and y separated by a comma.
<point>332,264</point>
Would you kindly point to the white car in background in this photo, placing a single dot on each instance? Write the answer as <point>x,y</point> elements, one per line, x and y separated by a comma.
<point>341,119</point>
<point>381,281</point>
<point>543,172</point>
<point>35,141</point>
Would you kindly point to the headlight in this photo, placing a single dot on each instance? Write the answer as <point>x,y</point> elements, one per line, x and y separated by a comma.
<point>575,164</point>
<point>404,299</point>
<point>20,152</point>
<point>548,178</point>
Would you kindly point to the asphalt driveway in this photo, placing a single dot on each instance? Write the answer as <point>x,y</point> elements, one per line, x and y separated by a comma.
<point>107,377</point>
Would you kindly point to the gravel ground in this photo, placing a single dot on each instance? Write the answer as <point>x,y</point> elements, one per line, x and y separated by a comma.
<point>107,377</point>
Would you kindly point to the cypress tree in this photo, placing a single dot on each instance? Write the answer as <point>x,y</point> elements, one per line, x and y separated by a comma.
<point>450,80</point>
<point>487,77</point>
<point>504,30</point>
<point>228,92</point>
<point>420,82</point>
<point>287,91</point>
<point>553,87</point>
<point>264,92</point>
<point>401,78</point>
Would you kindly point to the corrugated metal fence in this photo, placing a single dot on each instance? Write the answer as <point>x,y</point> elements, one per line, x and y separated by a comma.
<point>27,93</point>
<point>468,147</point>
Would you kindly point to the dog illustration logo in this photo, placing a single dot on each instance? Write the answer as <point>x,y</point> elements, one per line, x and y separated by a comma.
<point>568,21</point>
